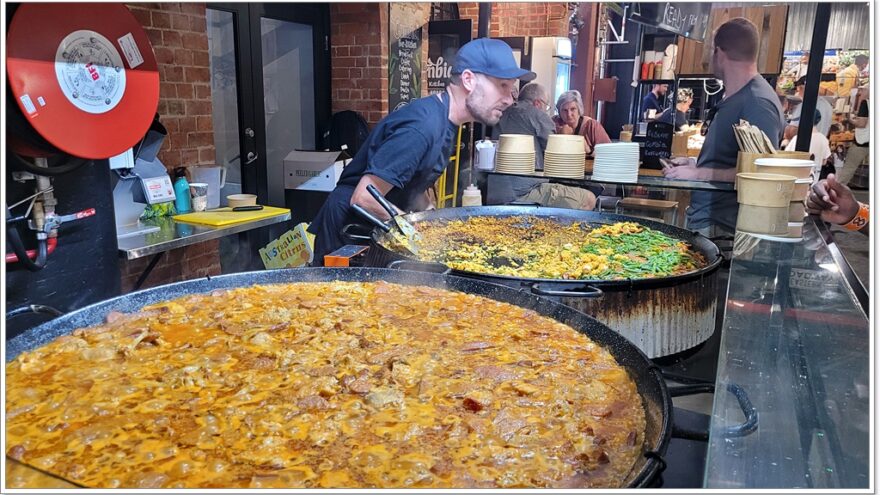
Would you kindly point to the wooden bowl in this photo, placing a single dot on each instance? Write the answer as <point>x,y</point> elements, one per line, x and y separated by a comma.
<point>241,200</point>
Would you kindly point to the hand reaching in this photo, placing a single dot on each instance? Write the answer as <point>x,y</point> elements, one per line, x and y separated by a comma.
<point>684,168</point>
<point>832,201</point>
<point>684,161</point>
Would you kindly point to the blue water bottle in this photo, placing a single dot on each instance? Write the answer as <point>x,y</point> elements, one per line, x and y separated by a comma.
<point>181,191</point>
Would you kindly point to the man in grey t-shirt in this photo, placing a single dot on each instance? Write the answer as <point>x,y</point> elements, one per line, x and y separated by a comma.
<point>748,97</point>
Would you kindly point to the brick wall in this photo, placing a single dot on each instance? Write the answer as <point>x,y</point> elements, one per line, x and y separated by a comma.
<point>178,33</point>
<point>180,42</point>
<point>520,19</point>
<point>359,57</point>
<point>186,263</point>
<point>359,34</point>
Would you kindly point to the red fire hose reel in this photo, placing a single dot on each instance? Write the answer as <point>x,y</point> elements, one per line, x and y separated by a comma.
<point>83,76</point>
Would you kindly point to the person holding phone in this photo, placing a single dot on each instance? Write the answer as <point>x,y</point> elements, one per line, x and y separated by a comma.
<point>748,96</point>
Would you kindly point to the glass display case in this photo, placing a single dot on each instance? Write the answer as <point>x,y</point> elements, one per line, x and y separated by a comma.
<point>796,338</point>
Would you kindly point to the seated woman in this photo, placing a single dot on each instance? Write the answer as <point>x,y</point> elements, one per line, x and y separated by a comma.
<point>571,120</point>
<point>678,116</point>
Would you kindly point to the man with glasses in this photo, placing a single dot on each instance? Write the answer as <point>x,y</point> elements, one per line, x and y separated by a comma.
<point>529,115</point>
<point>747,96</point>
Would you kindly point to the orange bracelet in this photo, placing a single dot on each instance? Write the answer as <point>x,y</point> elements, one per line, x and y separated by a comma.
<point>861,219</point>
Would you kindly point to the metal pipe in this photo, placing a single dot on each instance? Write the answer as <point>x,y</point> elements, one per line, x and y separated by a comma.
<point>45,203</point>
<point>602,35</point>
<point>483,20</point>
<point>814,72</point>
<point>485,16</point>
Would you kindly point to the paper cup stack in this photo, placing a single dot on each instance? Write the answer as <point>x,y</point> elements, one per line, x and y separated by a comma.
<point>764,201</point>
<point>802,171</point>
<point>515,154</point>
<point>565,156</point>
<point>616,162</point>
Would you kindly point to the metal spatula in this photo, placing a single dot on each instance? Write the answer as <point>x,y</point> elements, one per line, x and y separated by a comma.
<point>395,241</point>
<point>410,235</point>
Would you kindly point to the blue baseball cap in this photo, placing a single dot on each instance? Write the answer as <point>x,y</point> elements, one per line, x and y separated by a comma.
<point>490,57</point>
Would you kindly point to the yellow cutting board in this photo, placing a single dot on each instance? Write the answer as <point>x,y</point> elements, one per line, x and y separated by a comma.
<point>225,216</point>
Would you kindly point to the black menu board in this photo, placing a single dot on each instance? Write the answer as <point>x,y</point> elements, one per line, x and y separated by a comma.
<point>658,140</point>
<point>405,70</point>
<point>689,19</point>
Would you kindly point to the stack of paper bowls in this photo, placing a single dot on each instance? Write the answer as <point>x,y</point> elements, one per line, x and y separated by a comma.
<point>515,154</point>
<point>565,156</point>
<point>802,171</point>
<point>764,201</point>
<point>616,162</point>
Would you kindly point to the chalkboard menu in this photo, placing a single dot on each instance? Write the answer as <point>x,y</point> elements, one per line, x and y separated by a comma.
<point>689,19</point>
<point>405,70</point>
<point>658,140</point>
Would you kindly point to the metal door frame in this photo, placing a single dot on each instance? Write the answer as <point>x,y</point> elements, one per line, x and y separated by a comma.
<point>255,173</point>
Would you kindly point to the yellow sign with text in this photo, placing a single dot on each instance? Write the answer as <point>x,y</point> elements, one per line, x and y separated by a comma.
<point>294,248</point>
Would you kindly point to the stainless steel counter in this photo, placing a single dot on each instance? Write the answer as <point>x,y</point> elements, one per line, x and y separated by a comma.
<point>796,338</point>
<point>173,234</point>
<point>652,180</point>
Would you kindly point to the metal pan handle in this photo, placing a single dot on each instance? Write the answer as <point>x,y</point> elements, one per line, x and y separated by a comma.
<point>370,218</point>
<point>751,423</point>
<point>721,238</point>
<point>350,236</point>
<point>419,266</point>
<point>524,203</point>
<point>586,291</point>
<point>696,386</point>
<point>377,195</point>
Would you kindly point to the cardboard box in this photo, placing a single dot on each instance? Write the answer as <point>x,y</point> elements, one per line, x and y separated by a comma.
<point>679,144</point>
<point>314,170</point>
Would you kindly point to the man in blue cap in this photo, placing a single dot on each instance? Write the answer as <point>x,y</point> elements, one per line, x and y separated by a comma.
<point>409,149</point>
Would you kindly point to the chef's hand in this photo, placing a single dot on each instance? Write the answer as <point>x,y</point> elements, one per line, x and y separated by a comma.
<point>832,201</point>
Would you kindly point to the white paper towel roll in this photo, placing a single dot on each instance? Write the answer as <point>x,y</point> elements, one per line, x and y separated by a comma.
<point>669,62</point>
<point>637,71</point>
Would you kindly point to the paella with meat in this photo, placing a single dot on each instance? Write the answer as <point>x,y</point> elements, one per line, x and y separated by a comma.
<point>541,248</point>
<point>334,384</point>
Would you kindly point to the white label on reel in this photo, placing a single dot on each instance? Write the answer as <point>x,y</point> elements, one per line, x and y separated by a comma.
<point>90,72</point>
<point>130,50</point>
<point>28,104</point>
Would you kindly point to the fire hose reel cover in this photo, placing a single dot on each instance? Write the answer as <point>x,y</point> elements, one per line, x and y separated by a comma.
<point>84,75</point>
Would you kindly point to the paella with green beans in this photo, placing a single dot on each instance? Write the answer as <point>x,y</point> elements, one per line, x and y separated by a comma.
<point>532,247</point>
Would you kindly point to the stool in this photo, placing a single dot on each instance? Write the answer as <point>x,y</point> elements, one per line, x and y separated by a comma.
<point>666,210</point>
